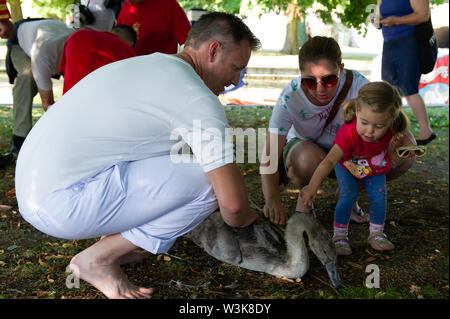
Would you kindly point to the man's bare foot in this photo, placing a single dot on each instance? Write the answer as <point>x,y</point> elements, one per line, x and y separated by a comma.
<point>133,257</point>
<point>107,277</point>
<point>99,265</point>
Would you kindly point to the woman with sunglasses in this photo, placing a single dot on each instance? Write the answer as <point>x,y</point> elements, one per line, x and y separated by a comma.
<point>299,118</point>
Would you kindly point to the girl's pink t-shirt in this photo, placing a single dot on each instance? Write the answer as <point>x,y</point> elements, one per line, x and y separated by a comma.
<point>362,158</point>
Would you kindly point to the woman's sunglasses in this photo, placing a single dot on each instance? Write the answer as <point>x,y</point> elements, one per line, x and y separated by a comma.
<point>327,81</point>
<point>404,151</point>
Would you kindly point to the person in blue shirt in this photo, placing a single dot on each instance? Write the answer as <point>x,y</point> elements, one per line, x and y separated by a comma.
<point>400,60</point>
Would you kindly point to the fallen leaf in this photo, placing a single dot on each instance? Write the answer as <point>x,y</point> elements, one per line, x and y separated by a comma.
<point>413,289</point>
<point>193,270</point>
<point>52,244</point>
<point>355,265</point>
<point>2,263</point>
<point>5,207</point>
<point>66,245</point>
<point>50,280</point>
<point>11,193</point>
<point>41,293</point>
<point>370,259</point>
<point>298,280</point>
<point>163,257</point>
<point>414,201</point>
<point>41,262</point>
<point>59,256</point>
<point>284,279</point>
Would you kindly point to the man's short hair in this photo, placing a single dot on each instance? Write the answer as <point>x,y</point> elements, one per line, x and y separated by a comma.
<point>126,33</point>
<point>220,26</point>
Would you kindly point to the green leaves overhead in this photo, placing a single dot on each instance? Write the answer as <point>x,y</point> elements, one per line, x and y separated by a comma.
<point>352,13</point>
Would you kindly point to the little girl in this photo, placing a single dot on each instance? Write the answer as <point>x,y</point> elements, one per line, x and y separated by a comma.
<point>360,153</point>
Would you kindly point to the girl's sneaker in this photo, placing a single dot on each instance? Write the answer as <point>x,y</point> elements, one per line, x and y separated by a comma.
<point>342,246</point>
<point>379,242</point>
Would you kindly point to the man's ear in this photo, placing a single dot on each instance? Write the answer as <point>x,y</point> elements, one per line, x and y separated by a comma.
<point>213,50</point>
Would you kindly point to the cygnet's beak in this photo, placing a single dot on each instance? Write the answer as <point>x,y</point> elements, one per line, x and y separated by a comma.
<point>333,274</point>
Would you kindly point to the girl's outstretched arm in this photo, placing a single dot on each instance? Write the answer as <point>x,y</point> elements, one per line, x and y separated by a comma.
<point>308,193</point>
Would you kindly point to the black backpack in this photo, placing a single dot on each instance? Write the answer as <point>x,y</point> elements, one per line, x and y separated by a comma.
<point>427,46</point>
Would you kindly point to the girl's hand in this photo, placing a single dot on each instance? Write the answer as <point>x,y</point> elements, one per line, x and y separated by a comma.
<point>307,195</point>
<point>275,213</point>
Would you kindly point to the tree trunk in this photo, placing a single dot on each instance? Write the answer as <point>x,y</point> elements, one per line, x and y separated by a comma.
<point>16,10</point>
<point>291,41</point>
<point>295,28</point>
<point>295,37</point>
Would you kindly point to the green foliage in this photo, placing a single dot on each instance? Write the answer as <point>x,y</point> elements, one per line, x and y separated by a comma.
<point>352,13</point>
<point>56,9</point>
<point>231,6</point>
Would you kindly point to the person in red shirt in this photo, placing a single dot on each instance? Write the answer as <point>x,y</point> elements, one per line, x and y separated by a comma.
<point>6,26</point>
<point>160,24</point>
<point>360,153</point>
<point>87,50</point>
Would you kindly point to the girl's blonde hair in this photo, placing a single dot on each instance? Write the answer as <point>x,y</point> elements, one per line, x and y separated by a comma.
<point>381,97</point>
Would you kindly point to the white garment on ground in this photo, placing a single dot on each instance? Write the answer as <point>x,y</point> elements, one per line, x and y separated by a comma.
<point>43,41</point>
<point>295,116</point>
<point>130,110</point>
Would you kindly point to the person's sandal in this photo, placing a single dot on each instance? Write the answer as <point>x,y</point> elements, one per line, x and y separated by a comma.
<point>379,242</point>
<point>358,216</point>
<point>342,246</point>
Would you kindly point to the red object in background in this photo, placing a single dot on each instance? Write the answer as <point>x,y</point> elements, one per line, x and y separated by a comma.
<point>438,75</point>
<point>434,86</point>
<point>160,25</point>
<point>87,50</point>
